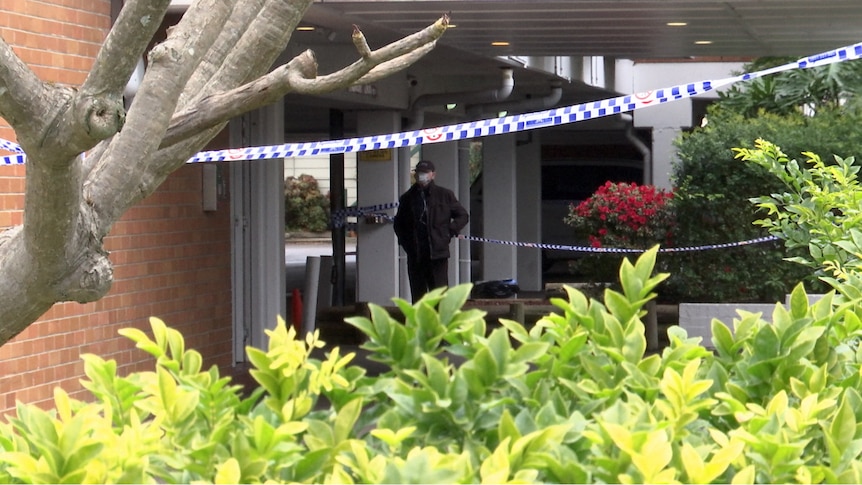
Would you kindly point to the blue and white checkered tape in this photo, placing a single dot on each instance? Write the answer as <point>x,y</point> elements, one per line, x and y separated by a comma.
<point>609,250</point>
<point>339,219</point>
<point>494,126</point>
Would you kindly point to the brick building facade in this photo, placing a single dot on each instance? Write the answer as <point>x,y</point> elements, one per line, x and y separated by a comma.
<point>171,259</point>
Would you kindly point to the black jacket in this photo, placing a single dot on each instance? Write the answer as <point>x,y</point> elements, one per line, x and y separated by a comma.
<point>446,218</point>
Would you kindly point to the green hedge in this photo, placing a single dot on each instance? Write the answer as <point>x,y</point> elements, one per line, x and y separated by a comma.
<point>305,208</point>
<point>574,399</point>
<point>712,192</point>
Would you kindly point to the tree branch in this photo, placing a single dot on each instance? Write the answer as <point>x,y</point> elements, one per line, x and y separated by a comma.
<point>115,185</point>
<point>310,86</point>
<point>81,124</point>
<point>219,108</point>
<point>22,94</point>
<point>236,26</point>
<point>96,112</point>
<point>266,36</point>
<point>233,29</point>
<point>300,75</point>
<point>137,23</point>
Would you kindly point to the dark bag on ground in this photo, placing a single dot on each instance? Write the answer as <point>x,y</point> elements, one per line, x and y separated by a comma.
<point>495,289</point>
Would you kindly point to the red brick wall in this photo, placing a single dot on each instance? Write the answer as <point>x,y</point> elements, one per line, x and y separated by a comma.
<point>171,259</point>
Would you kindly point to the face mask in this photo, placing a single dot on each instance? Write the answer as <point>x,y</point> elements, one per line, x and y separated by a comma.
<point>423,178</point>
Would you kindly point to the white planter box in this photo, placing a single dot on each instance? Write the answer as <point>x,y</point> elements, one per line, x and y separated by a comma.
<point>696,318</point>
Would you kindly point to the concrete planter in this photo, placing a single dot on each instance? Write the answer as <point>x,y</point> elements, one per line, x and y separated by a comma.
<point>696,318</point>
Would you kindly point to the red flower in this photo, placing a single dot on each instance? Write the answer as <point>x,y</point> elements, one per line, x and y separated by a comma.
<point>625,215</point>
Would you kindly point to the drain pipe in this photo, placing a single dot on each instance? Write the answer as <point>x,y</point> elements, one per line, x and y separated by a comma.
<point>527,105</point>
<point>488,96</point>
<point>548,101</point>
<point>640,146</point>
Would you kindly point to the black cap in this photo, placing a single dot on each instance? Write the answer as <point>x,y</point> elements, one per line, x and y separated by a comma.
<point>424,166</point>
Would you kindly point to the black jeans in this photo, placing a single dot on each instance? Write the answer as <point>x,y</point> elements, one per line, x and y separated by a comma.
<point>426,275</point>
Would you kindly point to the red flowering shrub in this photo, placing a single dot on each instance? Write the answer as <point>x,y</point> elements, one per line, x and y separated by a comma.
<point>625,215</point>
<point>619,215</point>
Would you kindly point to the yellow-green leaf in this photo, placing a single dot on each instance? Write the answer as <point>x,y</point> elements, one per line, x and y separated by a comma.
<point>693,463</point>
<point>744,476</point>
<point>228,472</point>
<point>495,468</point>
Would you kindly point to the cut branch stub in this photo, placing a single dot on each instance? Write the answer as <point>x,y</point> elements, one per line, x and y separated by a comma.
<point>91,280</point>
<point>305,63</point>
<point>105,117</point>
<point>360,42</point>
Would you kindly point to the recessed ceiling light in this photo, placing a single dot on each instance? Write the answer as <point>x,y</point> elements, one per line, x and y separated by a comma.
<point>500,43</point>
<point>305,28</point>
<point>703,42</point>
<point>677,24</point>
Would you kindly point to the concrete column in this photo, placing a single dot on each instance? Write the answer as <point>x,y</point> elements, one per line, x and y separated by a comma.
<point>257,206</point>
<point>465,257</point>
<point>663,154</point>
<point>499,204</point>
<point>666,121</point>
<point>377,279</point>
<point>529,220</point>
<point>405,180</point>
<point>446,160</point>
<point>669,119</point>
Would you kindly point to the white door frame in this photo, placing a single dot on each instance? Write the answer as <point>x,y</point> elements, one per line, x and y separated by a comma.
<point>257,231</point>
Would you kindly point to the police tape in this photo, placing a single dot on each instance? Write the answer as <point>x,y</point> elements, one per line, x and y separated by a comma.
<point>496,126</point>
<point>19,159</point>
<point>591,249</point>
<point>339,219</point>
<point>10,146</point>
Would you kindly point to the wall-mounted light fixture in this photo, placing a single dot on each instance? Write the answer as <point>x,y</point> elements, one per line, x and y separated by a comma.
<point>329,34</point>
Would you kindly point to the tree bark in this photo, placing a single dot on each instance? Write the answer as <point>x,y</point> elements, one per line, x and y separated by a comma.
<point>197,79</point>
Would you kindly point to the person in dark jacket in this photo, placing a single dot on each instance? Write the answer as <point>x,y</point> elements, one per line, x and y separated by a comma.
<point>428,217</point>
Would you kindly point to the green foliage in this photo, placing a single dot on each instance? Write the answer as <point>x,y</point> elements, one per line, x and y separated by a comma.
<point>476,161</point>
<point>573,399</point>
<point>828,87</point>
<point>801,110</point>
<point>819,210</point>
<point>711,199</point>
<point>305,208</point>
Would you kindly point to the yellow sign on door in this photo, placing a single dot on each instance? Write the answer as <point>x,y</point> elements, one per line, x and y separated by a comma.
<point>381,155</point>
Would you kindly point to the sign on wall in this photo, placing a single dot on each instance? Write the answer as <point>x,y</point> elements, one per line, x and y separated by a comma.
<point>382,155</point>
